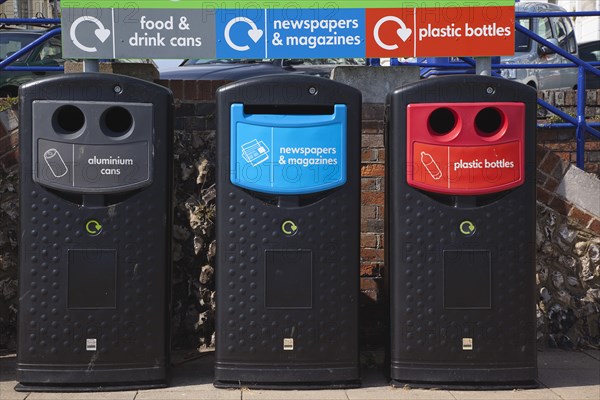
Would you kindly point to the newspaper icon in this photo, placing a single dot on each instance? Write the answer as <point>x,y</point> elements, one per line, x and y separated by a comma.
<point>255,152</point>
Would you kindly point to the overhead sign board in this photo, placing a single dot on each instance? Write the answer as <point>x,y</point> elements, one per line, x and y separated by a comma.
<point>286,29</point>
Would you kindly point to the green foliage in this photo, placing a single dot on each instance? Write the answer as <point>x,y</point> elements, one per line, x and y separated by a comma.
<point>6,103</point>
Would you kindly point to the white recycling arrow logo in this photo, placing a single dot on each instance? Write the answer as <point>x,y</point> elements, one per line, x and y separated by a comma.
<point>101,32</point>
<point>403,32</point>
<point>254,33</point>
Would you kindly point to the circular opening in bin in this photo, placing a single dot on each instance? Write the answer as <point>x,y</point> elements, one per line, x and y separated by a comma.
<point>489,121</point>
<point>442,121</point>
<point>68,119</point>
<point>117,120</point>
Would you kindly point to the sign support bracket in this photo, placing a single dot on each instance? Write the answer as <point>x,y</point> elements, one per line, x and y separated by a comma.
<point>483,66</point>
<point>91,66</point>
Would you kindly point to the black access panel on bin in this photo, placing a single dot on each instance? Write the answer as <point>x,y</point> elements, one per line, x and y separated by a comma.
<point>95,233</point>
<point>460,232</point>
<point>288,212</point>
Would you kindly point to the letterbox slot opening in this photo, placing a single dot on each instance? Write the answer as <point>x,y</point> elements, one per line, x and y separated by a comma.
<point>68,119</point>
<point>442,121</point>
<point>307,109</point>
<point>99,200</point>
<point>466,202</point>
<point>117,120</point>
<point>289,200</point>
<point>489,121</point>
<point>74,198</point>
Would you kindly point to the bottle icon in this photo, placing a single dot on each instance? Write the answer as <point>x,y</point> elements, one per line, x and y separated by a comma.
<point>431,166</point>
<point>56,163</point>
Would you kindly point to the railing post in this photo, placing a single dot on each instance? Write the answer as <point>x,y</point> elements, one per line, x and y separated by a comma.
<point>483,66</point>
<point>91,66</point>
<point>581,124</point>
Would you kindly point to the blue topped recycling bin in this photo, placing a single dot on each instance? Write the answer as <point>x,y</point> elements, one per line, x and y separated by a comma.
<point>288,232</point>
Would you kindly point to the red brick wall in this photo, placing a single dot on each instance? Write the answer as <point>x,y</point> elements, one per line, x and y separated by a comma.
<point>551,169</point>
<point>372,200</point>
<point>562,141</point>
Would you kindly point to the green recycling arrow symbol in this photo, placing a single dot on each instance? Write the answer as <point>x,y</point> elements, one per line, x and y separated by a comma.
<point>289,227</point>
<point>93,227</point>
<point>467,228</point>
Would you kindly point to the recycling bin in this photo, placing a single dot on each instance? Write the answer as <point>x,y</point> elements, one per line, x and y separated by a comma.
<point>288,232</point>
<point>460,232</point>
<point>95,233</point>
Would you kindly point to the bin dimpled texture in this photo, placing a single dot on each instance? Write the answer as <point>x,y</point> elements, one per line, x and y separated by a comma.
<point>288,228</point>
<point>95,233</point>
<point>460,232</point>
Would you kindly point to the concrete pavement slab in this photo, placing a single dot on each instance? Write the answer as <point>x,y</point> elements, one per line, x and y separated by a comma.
<point>197,372</point>
<point>129,395</point>
<point>561,359</point>
<point>390,393</point>
<point>571,375</point>
<point>191,394</point>
<point>7,392</point>
<point>593,353</point>
<point>251,394</point>
<point>525,394</point>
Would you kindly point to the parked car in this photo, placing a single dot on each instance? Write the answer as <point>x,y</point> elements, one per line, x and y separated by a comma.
<point>233,69</point>
<point>459,66</point>
<point>47,54</point>
<point>558,31</point>
<point>590,52</point>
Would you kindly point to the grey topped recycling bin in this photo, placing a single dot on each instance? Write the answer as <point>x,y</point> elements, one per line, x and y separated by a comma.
<point>288,231</point>
<point>95,233</point>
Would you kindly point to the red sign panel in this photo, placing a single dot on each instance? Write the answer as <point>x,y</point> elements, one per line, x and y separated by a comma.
<point>466,170</point>
<point>443,31</point>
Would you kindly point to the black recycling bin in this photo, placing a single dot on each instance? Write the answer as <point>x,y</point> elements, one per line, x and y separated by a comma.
<point>288,232</point>
<point>95,233</point>
<point>460,232</point>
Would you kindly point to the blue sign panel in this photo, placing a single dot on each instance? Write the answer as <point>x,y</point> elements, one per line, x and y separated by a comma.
<point>241,33</point>
<point>314,33</point>
<point>288,154</point>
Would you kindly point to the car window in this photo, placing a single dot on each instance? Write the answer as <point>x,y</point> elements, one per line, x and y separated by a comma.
<point>52,50</point>
<point>202,61</point>
<point>522,41</point>
<point>571,42</point>
<point>561,31</point>
<point>590,53</point>
<point>335,61</point>
<point>544,28</point>
<point>564,35</point>
<point>12,42</point>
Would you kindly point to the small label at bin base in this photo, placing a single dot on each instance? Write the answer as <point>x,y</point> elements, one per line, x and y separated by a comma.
<point>288,343</point>
<point>467,344</point>
<point>91,344</point>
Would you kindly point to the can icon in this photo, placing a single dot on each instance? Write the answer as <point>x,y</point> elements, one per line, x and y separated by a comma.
<point>56,163</point>
<point>431,166</point>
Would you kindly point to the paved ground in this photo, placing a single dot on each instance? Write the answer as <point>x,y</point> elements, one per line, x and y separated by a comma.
<point>562,375</point>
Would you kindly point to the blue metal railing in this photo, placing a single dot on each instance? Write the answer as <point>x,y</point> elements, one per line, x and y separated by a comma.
<point>581,126</point>
<point>5,64</point>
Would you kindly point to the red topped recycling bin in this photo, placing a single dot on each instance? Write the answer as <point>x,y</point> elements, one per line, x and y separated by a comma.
<point>460,232</point>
